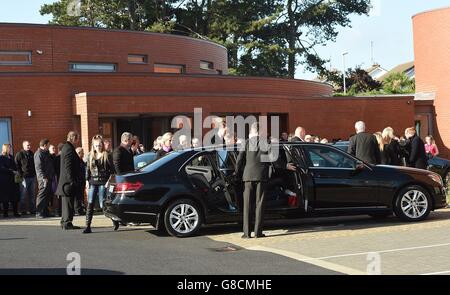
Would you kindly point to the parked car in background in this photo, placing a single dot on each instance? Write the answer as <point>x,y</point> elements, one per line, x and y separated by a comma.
<point>185,189</point>
<point>143,159</point>
<point>436,164</point>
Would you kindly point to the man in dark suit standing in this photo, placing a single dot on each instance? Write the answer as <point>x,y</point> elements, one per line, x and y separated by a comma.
<point>299,134</point>
<point>254,162</point>
<point>364,146</point>
<point>123,160</point>
<point>68,180</point>
<point>417,155</point>
<point>123,156</point>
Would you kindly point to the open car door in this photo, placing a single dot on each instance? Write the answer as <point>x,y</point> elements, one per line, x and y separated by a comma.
<point>294,156</point>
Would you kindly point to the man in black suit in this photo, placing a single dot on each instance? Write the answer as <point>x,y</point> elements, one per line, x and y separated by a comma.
<point>253,160</point>
<point>123,160</point>
<point>364,146</point>
<point>299,134</point>
<point>68,180</point>
<point>123,156</point>
<point>417,155</point>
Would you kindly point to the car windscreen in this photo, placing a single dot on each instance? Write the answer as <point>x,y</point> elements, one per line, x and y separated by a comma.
<point>160,162</point>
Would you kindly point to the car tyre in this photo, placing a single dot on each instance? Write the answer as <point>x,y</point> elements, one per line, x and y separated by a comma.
<point>413,203</point>
<point>182,218</point>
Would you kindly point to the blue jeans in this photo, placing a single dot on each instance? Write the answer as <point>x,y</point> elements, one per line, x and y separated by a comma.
<point>28,188</point>
<point>96,191</point>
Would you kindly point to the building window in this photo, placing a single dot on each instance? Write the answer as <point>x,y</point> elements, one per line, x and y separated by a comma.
<point>171,69</point>
<point>92,67</point>
<point>137,59</point>
<point>219,72</point>
<point>15,58</point>
<point>206,65</point>
<point>5,131</point>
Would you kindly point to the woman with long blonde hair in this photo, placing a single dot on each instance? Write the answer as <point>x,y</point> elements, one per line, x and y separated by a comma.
<point>9,191</point>
<point>391,147</point>
<point>98,170</point>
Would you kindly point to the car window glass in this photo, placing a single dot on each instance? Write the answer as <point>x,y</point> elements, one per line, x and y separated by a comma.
<point>201,166</point>
<point>225,159</point>
<point>325,157</point>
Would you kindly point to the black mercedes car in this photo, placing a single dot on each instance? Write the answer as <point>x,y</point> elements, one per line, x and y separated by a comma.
<point>436,164</point>
<point>188,188</point>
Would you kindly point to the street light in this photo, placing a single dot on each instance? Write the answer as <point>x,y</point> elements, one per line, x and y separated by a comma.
<point>343,72</point>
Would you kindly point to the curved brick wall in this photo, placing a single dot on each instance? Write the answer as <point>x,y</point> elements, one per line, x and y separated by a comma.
<point>61,45</point>
<point>432,62</point>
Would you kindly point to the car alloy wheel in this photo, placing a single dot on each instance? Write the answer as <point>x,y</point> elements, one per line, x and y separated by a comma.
<point>184,218</point>
<point>414,204</point>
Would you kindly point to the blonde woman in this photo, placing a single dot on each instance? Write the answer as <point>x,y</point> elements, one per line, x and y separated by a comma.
<point>98,170</point>
<point>9,192</point>
<point>391,147</point>
<point>166,146</point>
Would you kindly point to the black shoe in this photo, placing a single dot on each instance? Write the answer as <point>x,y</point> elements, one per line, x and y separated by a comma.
<point>245,237</point>
<point>87,230</point>
<point>17,214</point>
<point>5,215</point>
<point>116,225</point>
<point>260,236</point>
<point>70,226</point>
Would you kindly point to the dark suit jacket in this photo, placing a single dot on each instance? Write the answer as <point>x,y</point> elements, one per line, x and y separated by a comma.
<point>364,146</point>
<point>123,160</point>
<point>249,160</point>
<point>391,154</point>
<point>296,139</point>
<point>418,156</point>
<point>69,171</point>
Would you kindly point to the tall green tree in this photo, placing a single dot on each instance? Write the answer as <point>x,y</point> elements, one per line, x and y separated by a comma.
<point>263,37</point>
<point>399,83</point>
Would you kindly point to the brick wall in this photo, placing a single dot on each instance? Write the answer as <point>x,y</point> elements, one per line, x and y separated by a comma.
<point>432,63</point>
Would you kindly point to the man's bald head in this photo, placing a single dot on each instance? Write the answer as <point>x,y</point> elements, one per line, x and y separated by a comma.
<point>300,132</point>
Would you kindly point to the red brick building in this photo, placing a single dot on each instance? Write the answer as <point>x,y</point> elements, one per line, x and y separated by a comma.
<point>54,79</point>
<point>432,62</point>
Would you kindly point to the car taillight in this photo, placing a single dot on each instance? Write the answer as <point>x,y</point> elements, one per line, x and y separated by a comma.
<point>127,187</point>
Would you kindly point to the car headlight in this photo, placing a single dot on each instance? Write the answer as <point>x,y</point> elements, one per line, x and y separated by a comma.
<point>436,178</point>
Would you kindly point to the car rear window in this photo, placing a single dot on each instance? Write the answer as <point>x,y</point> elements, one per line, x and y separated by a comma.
<point>160,162</point>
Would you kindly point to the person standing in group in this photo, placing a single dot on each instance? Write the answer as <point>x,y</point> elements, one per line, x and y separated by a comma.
<point>166,145</point>
<point>417,154</point>
<point>431,148</point>
<point>9,178</point>
<point>123,156</point>
<point>54,182</point>
<point>79,198</point>
<point>98,170</point>
<point>364,146</point>
<point>380,142</point>
<point>255,176</point>
<point>123,160</point>
<point>391,151</point>
<point>68,178</point>
<point>45,172</point>
<point>299,135</point>
<point>25,166</point>
<point>135,143</point>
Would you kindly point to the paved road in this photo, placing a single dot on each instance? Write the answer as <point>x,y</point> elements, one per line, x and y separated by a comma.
<point>29,246</point>
<point>345,245</point>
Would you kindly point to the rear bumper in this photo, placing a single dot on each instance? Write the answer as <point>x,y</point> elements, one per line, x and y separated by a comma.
<point>127,213</point>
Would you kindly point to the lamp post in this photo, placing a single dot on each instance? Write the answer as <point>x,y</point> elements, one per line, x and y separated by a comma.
<point>343,72</point>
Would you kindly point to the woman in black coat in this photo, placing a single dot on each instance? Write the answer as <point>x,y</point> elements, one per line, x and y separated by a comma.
<point>391,152</point>
<point>10,192</point>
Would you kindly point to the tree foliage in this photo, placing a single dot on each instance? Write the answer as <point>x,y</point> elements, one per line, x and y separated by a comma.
<point>263,37</point>
<point>399,83</point>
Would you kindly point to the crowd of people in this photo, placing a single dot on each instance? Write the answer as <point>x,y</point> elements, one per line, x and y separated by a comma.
<point>53,180</point>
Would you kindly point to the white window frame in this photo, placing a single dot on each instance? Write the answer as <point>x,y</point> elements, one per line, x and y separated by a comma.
<point>73,65</point>
<point>16,63</point>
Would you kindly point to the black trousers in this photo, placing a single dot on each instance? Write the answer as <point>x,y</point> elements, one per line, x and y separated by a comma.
<point>67,206</point>
<point>43,196</point>
<point>14,205</point>
<point>79,206</point>
<point>254,197</point>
